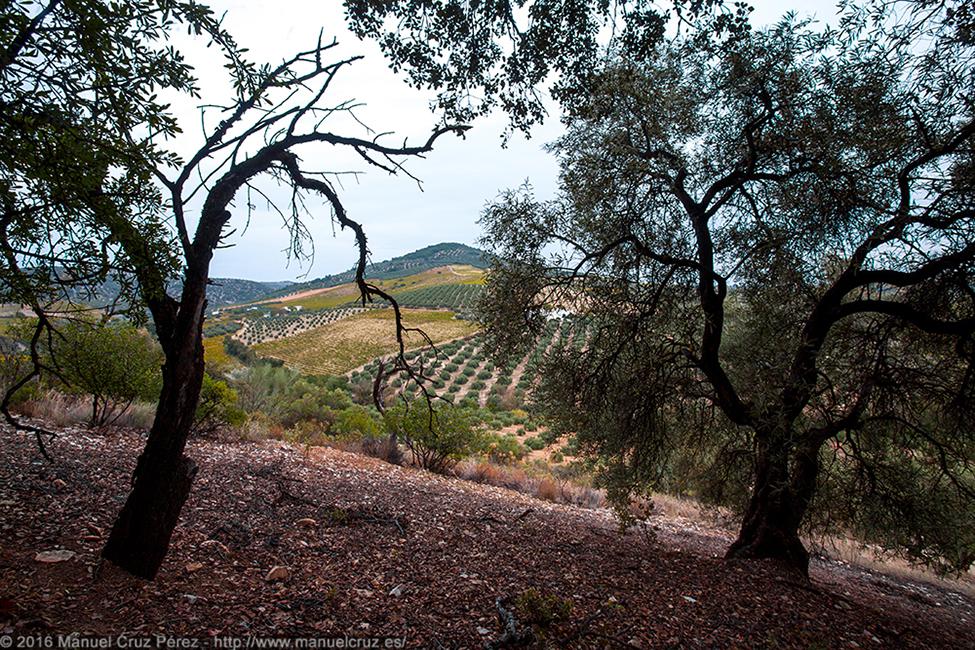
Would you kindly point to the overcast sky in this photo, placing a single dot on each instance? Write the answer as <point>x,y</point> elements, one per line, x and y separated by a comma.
<point>458,177</point>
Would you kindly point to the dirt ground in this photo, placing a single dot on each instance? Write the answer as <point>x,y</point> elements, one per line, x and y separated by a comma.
<point>370,549</point>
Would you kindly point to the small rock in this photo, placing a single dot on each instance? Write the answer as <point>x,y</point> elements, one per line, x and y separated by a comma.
<point>50,557</point>
<point>277,573</point>
<point>689,599</point>
<point>483,631</point>
<point>191,598</point>
<point>635,643</point>
<point>59,484</point>
<point>397,591</point>
<point>193,567</point>
<point>307,522</point>
<point>212,542</point>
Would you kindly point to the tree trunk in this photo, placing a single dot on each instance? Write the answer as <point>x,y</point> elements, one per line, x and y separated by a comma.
<point>163,475</point>
<point>770,528</point>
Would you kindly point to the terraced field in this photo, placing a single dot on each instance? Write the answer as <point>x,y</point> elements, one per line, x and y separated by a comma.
<point>463,371</point>
<point>458,297</point>
<point>279,326</point>
<point>464,277</point>
<point>340,346</point>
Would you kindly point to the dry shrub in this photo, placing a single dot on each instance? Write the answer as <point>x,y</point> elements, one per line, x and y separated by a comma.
<point>545,487</point>
<point>57,409</point>
<point>548,490</point>
<point>480,472</point>
<point>381,448</point>
<point>138,416</point>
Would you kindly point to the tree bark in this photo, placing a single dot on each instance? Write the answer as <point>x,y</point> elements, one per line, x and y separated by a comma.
<point>163,475</point>
<point>770,528</point>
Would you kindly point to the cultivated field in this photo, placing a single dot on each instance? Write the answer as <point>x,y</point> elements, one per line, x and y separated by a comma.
<point>345,294</point>
<point>343,345</point>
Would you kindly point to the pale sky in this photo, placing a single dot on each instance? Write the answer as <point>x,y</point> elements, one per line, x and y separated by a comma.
<point>458,177</point>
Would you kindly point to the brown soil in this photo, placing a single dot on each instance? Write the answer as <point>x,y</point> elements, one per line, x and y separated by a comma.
<point>399,552</point>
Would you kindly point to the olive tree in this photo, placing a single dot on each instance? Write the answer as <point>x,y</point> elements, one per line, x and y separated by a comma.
<point>773,245</point>
<point>91,187</point>
<point>436,439</point>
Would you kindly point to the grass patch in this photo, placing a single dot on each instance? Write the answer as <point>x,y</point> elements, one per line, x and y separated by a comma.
<point>215,354</point>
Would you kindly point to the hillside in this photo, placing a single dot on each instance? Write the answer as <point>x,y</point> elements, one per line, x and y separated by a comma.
<point>338,347</point>
<point>220,291</point>
<point>410,290</point>
<point>418,261</point>
<point>234,291</point>
<point>370,549</point>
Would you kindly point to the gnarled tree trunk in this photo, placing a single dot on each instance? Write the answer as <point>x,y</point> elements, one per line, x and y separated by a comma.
<point>780,497</point>
<point>163,476</point>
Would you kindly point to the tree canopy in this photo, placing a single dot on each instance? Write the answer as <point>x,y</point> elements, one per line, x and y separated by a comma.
<point>773,242</point>
<point>481,56</point>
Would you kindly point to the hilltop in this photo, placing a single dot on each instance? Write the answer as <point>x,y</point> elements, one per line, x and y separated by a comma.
<point>222,292</point>
<point>370,549</point>
<point>424,259</point>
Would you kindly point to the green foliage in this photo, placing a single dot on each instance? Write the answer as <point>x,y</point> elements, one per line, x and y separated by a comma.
<point>14,366</point>
<point>534,443</point>
<point>78,163</point>
<point>356,422</point>
<point>288,398</point>
<point>239,350</point>
<point>505,449</point>
<point>480,56</point>
<point>542,610</point>
<point>217,407</point>
<point>114,364</point>
<point>774,246</point>
<point>437,438</point>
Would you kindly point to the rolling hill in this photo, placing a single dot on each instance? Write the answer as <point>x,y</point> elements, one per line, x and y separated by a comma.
<point>223,292</point>
<point>424,259</point>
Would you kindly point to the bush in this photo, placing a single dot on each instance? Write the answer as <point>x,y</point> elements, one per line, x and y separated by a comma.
<point>236,349</point>
<point>114,364</point>
<point>437,439</point>
<point>505,449</point>
<point>14,365</point>
<point>355,421</point>
<point>542,610</point>
<point>217,407</point>
<point>534,443</point>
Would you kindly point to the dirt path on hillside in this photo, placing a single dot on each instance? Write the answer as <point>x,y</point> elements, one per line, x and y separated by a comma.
<point>371,549</point>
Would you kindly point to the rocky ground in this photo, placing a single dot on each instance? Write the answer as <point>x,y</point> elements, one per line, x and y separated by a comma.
<point>277,542</point>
